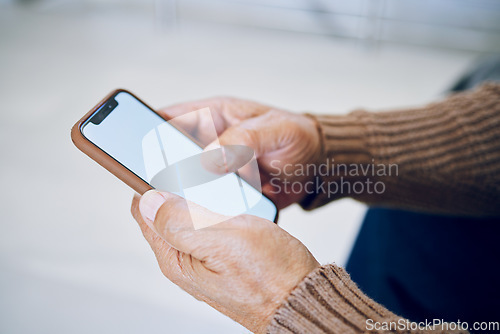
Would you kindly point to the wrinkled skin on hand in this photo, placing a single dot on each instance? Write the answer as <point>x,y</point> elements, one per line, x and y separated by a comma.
<point>277,137</point>
<point>244,267</point>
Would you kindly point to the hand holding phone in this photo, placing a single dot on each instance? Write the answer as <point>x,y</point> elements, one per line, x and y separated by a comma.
<point>245,268</point>
<point>283,141</point>
<point>133,142</point>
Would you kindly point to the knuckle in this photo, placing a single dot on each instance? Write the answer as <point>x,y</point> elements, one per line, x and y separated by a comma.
<point>275,113</point>
<point>248,136</point>
<point>249,225</point>
<point>237,135</point>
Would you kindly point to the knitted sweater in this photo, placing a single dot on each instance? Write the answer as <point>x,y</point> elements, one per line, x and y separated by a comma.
<point>445,158</point>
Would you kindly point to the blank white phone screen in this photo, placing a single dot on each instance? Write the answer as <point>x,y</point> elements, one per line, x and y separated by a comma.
<point>144,143</point>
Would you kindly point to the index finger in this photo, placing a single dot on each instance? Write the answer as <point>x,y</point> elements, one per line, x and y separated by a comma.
<point>225,112</point>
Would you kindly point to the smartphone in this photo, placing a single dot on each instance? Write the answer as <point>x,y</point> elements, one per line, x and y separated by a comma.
<point>136,144</point>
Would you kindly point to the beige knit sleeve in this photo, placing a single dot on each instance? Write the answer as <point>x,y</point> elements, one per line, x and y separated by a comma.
<point>443,158</point>
<point>327,301</point>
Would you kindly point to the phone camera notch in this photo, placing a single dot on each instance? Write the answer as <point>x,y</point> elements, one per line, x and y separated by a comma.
<point>104,111</point>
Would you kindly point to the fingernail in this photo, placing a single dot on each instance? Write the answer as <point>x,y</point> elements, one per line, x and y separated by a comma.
<point>150,202</point>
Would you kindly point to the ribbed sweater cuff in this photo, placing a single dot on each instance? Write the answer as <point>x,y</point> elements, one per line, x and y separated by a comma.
<point>345,137</point>
<point>328,301</point>
<point>344,140</point>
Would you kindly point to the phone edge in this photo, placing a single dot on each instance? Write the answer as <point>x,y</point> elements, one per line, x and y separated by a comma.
<point>101,157</point>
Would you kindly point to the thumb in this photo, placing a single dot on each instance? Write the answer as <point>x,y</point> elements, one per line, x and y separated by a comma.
<point>178,222</point>
<point>235,147</point>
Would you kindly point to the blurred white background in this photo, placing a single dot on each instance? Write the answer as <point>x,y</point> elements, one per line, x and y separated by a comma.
<point>72,259</point>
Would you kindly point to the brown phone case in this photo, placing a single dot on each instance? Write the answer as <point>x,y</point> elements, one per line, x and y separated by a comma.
<point>107,161</point>
<point>101,157</point>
